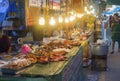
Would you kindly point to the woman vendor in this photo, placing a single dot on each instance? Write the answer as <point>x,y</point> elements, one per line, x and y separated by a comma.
<point>5,46</point>
<point>115,32</point>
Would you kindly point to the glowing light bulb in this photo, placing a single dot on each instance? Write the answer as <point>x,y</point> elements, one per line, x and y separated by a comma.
<point>85,8</point>
<point>88,12</point>
<point>52,21</point>
<point>60,19</point>
<point>93,11</point>
<point>72,18</point>
<point>91,7</point>
<point>41,21</point>
<point>66,20</point>
<point>79,15</point>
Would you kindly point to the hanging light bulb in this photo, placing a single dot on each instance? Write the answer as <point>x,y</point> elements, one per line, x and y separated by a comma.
<point>85,8</point>
<point>91,7</point>
<point>79,15</point>
<point>72,18</point>
<point>60,19</point>
<point>42,21</point>
<point>66,20</point>
<point>93,11</point>
<point>88,12</point>
<point>52,21</point>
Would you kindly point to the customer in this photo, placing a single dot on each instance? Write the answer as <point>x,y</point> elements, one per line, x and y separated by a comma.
<point>5,46</point>
<point>115,32</point>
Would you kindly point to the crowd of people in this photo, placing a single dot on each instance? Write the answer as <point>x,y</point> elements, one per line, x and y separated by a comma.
<point>115,26</point>
<point>112,22</point>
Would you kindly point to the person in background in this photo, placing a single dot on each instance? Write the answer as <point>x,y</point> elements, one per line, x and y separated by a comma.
<point>104,25</point>
<point>110,20</point>
<point>115,32</point>
<point>5,46</point>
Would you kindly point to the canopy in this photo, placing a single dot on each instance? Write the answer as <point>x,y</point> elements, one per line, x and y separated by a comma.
<point>117,9</point>
<point>113,2</point>
<point>13,7</point>
<point>4,5</point>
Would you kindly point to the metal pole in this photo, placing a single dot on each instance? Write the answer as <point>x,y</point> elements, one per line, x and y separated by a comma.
<point>60,6</point>
<point>52,4</point>
<point>42,7</point>
<point>47,12</point>
<point>66,23</point>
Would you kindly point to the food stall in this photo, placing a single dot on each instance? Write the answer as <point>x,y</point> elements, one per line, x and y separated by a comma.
<point>55,59</point>
<point>66,70</point>
<point>48,62</point>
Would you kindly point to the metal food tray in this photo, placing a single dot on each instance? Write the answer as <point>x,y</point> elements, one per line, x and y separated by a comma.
<point>15,71</point>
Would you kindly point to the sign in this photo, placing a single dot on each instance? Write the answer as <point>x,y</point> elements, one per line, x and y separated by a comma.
<point>1,1</point>
<point>4,4</point>
<point>37,3</point>
<point>54,4</point>
<point>33,3</point>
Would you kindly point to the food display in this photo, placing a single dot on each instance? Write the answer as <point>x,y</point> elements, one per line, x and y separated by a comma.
<point>15,66</point>
<point>53,51</point>
<point>31,57</point>
<point>57,52</point>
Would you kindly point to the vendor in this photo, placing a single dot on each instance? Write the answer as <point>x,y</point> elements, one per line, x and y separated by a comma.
<point>5,46</point>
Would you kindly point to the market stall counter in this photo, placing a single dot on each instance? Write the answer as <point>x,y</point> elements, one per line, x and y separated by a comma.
<point>67,70</point>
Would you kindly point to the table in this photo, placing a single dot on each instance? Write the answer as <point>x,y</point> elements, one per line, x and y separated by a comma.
<point>70,70</point>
